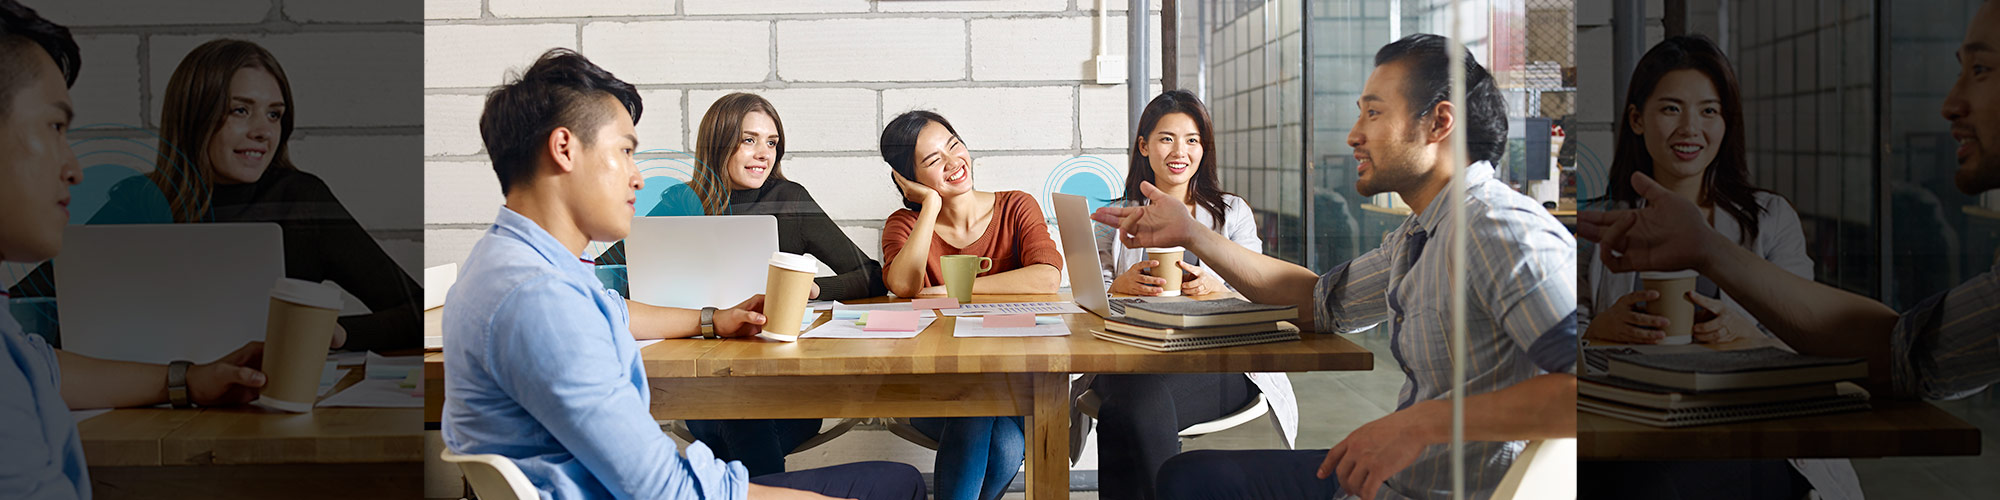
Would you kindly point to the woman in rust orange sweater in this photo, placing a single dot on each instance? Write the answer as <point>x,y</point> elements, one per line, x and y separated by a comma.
<point>977,456</point>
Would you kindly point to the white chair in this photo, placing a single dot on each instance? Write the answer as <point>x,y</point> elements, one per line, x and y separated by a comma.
<point>1546,469</point>
<point>493,477</point>
<point>680,430</point>
<point>1089,402</point>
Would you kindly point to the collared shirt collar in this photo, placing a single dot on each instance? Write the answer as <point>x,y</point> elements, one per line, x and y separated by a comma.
<point>520,227</point>
<point>1434,213</point>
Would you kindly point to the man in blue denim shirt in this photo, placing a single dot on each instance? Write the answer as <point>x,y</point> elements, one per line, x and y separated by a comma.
<point>540,362</point>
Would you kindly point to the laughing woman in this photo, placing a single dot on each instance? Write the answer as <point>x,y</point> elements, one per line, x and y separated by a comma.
<point>977,456</point>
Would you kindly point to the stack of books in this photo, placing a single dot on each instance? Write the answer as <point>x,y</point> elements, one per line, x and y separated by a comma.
<point>1682,390</point>
<point>1185,325</point>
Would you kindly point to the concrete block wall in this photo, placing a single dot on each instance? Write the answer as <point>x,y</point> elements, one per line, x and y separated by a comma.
<point>1013,76</point>
<point>358,125</point>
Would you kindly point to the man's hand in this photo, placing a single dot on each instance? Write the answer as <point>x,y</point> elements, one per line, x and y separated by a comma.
<point>1669,234</point>
<point>231,380</point>
<point>1163,223</point>
<point>761,492</point>
<point>1373,453</point>
<point>744,320</point>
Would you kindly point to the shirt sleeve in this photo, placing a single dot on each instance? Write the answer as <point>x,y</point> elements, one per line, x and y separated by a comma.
<point>1033,239</point>
<point>1523,270</point>
<point>896,233</point>
<point>1241,224</point>
<point>539,334</point>
<point>1780,226</point>
<point>1353,296</point>
<point>1947,347</point>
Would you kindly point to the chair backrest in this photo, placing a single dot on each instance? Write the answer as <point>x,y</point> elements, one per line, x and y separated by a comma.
<point>493,477</point>
<point>1545,470</point>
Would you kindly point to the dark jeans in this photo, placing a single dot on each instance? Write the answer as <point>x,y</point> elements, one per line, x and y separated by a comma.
<point>1249,474</point>
<point>1721,480</point>
<point>760,444</point>
<point>860,480</point>
<point>1141,416</point>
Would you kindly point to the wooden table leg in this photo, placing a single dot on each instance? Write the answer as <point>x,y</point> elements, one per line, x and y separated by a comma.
<point>1048,438</point>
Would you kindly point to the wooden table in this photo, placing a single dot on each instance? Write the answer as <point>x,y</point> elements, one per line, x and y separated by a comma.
<point>1889,429</point>
<point>934,375</point>
<point>206,452</point>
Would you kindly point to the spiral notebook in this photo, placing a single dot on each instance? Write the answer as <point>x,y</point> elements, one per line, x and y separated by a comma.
<point>1285,332</point>
<point>1850,398</point>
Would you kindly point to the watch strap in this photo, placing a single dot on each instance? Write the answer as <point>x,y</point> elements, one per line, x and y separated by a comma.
<point>177,390</point>
<point>708,323</point>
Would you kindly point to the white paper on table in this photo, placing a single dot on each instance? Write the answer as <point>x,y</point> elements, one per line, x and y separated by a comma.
<point>1015,308</point>
<point>1044,327</point>
<point>330,377</point>
<point>846,329</point>
<point>385,367</point>
<point>644,343</point>
<point>349,358</point>
<point>81,415</point>
<point>821,305</point>
<point>376,393</point>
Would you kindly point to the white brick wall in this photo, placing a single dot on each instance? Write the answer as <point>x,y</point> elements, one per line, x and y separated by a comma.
<point>871,50</point>
<point>1010,75</point>
<point>681,51</point>
<point>77,14</point>
<point>481,56</point>
<point>334,76</point>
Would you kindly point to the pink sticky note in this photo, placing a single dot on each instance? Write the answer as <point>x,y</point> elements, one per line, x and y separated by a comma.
<point>1010,321</point>
<point>937,303</point>
<point>891,321</point>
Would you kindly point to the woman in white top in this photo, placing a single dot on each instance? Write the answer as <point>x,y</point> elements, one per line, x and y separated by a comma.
<point>1141,416</point>
<point>1683,123</point>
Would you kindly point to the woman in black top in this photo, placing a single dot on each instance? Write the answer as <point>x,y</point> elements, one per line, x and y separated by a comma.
<point>739,146</point>
<point>224,157</point>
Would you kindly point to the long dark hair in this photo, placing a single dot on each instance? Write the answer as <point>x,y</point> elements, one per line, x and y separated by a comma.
<point>1726,182</point>
<point>1207,191</point>
<point>197,102</point>
<point>899,145</point>
<point>717,141</point>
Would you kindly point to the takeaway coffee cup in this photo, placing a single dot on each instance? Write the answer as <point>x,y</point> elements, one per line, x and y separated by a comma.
<point>785,292</point>
<point>1673,303</point>
<point>296,334</point>
<point>1169,269</point>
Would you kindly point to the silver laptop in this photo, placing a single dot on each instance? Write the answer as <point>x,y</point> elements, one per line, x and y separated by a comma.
<point>1086,278</point>
<point>156,293</point>
<point>699,261</point>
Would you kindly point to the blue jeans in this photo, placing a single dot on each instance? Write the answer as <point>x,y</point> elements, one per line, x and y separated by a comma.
<point>977,456</point>
<point>760,444</point>
<point>862,480</point>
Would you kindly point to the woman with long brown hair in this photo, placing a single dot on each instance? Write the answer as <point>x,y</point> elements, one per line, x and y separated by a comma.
<point>739,148</point>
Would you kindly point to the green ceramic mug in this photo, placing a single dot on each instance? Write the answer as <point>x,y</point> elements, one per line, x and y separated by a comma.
<point>959,271</point>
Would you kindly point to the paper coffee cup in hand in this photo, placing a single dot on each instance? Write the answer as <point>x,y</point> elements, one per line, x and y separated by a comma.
<point>1673,304</point>
<point>1169,269</point>
<point>297,332</point>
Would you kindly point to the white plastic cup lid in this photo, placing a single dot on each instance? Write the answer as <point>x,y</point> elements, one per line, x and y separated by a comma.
<point>1668,275</point>
<point>794,262</point>
<point>1164,249</point>
<point>306,293</point>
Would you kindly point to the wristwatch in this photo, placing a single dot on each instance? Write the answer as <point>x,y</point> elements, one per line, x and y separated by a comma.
<point>177,385</point>
<point>708,323</point>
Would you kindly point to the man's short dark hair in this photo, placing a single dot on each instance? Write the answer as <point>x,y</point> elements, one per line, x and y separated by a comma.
<point>561,89</point>
<point>21,29</point>
<point>1429,68</point>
